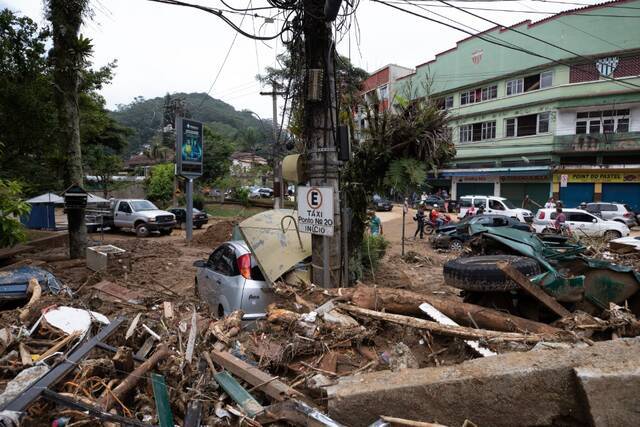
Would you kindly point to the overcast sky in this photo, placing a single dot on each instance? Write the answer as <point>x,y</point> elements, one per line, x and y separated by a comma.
<point>163,48</point>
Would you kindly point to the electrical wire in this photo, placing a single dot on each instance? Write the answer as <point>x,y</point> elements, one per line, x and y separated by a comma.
<point>539,12</point>
<point>220,14</point>
<point>537,39</point>
<point>224,61</point>
<point>488,40</point>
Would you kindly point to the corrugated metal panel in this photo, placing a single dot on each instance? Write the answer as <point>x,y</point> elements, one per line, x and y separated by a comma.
<point>574,194</point>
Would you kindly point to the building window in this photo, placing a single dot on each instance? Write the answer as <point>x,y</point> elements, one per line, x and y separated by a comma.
<point>448,102</point>
<point>478,132</point>
<point>488,130</point>
<point>543,122</point>
<point>607,121</point>
<point>466,133</point>
<point>490,92</point>
<point>546,79</point>
<point>478,94</point>
<point>531,124</point>
<point>510,127</point>
<point>530,83</point>
<point>384,92</point>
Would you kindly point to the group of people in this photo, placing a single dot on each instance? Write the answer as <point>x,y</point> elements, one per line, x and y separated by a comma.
<point>436,218</point>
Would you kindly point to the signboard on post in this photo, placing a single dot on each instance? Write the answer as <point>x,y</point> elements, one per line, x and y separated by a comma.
<point>189,147</point>
<point>315,210</point>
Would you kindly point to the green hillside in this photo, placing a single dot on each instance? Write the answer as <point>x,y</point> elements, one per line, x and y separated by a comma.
<point>146,117</point>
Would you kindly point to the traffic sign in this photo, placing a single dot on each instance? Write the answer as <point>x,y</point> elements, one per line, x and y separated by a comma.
<point>315,210</point>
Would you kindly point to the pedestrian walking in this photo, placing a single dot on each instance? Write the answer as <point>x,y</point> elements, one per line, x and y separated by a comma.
<point>419,218</point>
<point>551,203</point>
<point>375,225</point>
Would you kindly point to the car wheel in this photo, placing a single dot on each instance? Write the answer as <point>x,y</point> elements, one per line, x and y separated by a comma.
<point>481,274</point>
<point>456,245</point>
<point>428,229</point>
<point>612,234</point>
<point>142,230</point>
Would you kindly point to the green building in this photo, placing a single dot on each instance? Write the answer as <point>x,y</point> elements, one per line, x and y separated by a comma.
<point>567,125</point>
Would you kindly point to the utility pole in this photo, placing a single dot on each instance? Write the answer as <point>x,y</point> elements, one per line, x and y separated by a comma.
<point>320,124</point>
<point>278,188</point>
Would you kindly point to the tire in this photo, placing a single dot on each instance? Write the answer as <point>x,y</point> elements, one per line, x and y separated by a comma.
<point>456,245</point>
<point>480,273</point>
<point>612,234</point>
<point>142,230</point>
<point>428,229</point>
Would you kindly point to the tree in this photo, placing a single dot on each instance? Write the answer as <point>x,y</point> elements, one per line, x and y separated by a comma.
<point>11,208</point>
<point>405,174</point>
<point>69,56</point>
<point>103,166</point>
<point>159,185</point>
<point>217,158</point>
<point>417,130</point>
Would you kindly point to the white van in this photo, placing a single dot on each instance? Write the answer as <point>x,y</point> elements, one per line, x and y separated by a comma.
<point>493,205</point>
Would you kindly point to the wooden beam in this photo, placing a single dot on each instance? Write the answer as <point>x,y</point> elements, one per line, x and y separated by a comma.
<point>532,289</point>
<point>269,385</point>
<point>452,331</point>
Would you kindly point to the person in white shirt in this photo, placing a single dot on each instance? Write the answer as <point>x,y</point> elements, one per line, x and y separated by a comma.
<point>551,204</point>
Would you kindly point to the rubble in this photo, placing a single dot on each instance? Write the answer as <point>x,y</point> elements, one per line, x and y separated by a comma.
<point>135,346</point>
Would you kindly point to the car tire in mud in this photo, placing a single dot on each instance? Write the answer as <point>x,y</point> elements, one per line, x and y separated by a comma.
<point>456,245</point>
<point>481,274</point>
<point>611,235</point>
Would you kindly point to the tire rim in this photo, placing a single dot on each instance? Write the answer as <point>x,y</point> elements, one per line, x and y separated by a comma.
<point>456,246</point>
<point>143,230</point>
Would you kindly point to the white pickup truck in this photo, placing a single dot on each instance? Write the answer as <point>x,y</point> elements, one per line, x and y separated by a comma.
<point>138,215</point>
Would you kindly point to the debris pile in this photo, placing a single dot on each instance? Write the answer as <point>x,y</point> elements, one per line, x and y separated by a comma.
<point>218,231</point>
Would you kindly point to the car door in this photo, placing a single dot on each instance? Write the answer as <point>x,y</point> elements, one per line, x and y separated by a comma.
<point>124,215</point>
<point>582,223</point>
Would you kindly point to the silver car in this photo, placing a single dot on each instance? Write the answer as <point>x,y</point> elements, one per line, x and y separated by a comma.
<point>231,279</point>
<point>613,212</point>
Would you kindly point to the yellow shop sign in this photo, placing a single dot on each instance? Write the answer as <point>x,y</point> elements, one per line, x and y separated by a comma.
<point>600,177</point>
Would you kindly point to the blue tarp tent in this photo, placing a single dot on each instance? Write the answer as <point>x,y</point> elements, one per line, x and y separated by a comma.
<point>42,215</point>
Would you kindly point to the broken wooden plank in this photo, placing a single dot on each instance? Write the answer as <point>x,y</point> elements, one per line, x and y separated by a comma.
<point>168,309</point>
<point>191,341</point>
<point>403,422</point>
<point>297,413</point>
<point>119,292</point>
<point>270,386</point>
<point>132,326</point>
<point>193,417</point>
<point>25,355</point>
<point>36,291</point>
<point>109,398</point>
<point>161,397</point>
<point>453,331</point>
<point>60,344</point>
<point>532,289</point>
<point>249,405</point>
<point>146,348</point>
<point>436,315</point>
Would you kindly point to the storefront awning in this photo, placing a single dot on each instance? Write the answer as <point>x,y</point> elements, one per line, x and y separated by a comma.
<point>516,171</point>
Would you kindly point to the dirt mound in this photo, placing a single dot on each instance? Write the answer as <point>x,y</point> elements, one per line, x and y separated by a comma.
<point>218,232</point>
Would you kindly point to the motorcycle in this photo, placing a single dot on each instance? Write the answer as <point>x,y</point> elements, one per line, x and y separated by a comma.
<point>430,226</point>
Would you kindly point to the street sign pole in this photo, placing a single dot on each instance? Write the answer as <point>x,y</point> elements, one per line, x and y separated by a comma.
<point>405,209</point>
<point>326,271</point>
<point>189,161</point>
<point>189,223</point>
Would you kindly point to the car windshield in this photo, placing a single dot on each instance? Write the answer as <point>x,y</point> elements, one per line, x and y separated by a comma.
<point>143,205</point>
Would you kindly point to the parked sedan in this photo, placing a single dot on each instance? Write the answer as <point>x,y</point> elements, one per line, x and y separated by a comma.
<point>382,204</point>
<point>581,223</point>
<point>199,218</point>
<point>453,236</point>
<point>230,280</point>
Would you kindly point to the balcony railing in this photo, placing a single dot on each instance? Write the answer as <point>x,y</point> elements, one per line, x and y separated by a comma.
<point>597,142</point>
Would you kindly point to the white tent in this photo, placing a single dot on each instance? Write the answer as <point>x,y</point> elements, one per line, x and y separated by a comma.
<point>47,198</point>
<point>93,199</point>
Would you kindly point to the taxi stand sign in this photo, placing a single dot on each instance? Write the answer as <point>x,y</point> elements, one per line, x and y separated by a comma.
<point>315,210</point>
